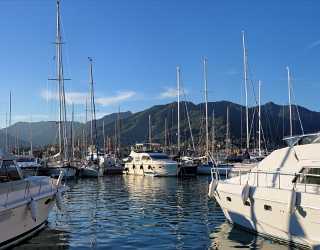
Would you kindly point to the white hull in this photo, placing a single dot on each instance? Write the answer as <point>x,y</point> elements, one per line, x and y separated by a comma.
<point>267,214</point>
<point>25,206</point>
<point>17,223</point>
<point>151,170</point>
<point>91,171</point>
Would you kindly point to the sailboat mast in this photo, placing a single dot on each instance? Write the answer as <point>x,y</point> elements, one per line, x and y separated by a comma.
<point>104,137</point>
<point>10,106</point>
<point>228,133</point>
<point>206,103</point>
<point>31,144</point>
<point>178,94</point>
<point>150,135</point>
<point>165,134</point>
<point>213,139</point>
<point>92,106</point>
<point>245,71</point>
<point>259,118</point>
<point>289,95</point>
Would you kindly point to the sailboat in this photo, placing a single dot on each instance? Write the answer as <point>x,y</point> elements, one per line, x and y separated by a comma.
<point>61,160</point>
<point>94,165</point>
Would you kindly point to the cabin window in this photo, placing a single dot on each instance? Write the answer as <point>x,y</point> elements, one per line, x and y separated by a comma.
<point>149,167</point>
<point>309,176</point>
<point>267,207</point>
<point>141,167</point>
<point>228,199</point>
<point>145,158</point>
<point>133,166</point>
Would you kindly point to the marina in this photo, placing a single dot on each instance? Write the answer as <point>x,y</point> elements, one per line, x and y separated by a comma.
<point>136,212</point>
<point>140,157</point>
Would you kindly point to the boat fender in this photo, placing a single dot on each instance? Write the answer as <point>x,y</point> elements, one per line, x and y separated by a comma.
<point>33,209</point>
<point>212,188</point>
<point>59,201</point>
<point>292,201</point>
<point>245,193</point>
<point>60,178</point>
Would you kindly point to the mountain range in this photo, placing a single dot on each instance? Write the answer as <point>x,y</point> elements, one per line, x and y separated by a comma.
<point>134,127</point>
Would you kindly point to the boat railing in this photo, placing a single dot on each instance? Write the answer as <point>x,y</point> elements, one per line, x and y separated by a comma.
<point>18,191</point>
<point>269,179</point>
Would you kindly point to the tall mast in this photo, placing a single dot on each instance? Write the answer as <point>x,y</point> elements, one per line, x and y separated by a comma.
<point>178,94</point>
<point>150,133</point>
<point>259,118</point>
<point>289,94</point>
<point>92,107</point>
<point>245,71</point>
<point>206,103</point>
<point>61,92</point>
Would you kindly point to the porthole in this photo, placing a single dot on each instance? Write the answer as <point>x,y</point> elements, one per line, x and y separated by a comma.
<point>47,201</point>
<point>267,207</point>
<point>247,203</point>
<point>228,199</point>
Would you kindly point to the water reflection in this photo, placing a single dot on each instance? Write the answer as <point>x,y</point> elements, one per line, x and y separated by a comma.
<point>141,212</point>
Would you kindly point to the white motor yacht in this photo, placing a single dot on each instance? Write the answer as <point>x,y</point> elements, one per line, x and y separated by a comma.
<point>148,159</point>
<point>280,197</point>
<point>24,202</point>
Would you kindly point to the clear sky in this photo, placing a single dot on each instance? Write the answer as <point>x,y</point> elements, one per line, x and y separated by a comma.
<point>136,46</point>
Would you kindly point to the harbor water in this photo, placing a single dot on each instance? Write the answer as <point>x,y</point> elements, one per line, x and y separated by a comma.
<point>136,212</point>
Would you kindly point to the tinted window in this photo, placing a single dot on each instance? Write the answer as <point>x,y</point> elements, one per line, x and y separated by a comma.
<point>159,157</point>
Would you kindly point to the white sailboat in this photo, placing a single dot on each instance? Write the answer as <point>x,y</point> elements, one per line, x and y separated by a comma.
<point>60,161</point>
<point>94,165</point>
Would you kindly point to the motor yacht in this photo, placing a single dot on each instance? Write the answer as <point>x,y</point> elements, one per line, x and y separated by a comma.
<point>148,159</point>
<point>24,202</point>
<point>280,197</point>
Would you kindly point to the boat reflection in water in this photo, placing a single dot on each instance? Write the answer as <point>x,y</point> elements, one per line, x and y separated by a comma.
<point>139,212</point>
<point>227,236</point>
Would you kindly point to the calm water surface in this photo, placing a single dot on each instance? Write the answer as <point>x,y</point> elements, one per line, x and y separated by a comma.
<point>135,212</point>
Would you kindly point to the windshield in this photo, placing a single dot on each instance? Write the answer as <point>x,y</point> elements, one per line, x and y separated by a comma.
<point>159,157</point>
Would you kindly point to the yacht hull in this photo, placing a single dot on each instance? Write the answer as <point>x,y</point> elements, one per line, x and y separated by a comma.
<point>91,171</point>
<point>266,213</point>
<point>19,224</point>
<point>157,170</point>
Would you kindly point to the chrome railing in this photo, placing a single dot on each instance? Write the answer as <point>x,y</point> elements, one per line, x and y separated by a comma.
<point>18,191</point>
<point>297,180</point>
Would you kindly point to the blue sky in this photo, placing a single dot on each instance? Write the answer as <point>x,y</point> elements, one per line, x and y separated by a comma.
<point>136,46</point>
